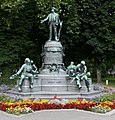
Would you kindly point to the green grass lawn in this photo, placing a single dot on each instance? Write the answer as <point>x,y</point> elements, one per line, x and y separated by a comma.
<point>111,81</point>
<point>111,78</point>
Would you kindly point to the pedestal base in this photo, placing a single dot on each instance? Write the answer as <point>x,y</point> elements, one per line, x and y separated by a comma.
<point>63,95</point>
<point>48,86</point>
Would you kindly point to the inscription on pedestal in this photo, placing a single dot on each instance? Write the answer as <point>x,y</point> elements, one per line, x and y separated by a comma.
<point>55,82</point>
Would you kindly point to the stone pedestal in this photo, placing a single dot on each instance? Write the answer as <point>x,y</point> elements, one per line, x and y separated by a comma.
<point>25,87</point>
<point>72,86</point>
<point>52,73</point>
<point>53,82</point>
<point>52,57</point>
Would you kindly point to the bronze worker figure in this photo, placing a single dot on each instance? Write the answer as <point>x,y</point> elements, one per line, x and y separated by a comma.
<point>54,21</point>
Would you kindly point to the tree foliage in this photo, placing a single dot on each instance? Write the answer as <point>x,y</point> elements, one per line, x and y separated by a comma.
<point>96,18</point>
<point>87,33</point>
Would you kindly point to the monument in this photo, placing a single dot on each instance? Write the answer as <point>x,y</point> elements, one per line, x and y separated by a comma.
<point>53,78</point>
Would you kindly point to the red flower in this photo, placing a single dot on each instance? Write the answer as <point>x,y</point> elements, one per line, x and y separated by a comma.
<point>40,99</point>
<point>55,96</point>
<point>2,107</point>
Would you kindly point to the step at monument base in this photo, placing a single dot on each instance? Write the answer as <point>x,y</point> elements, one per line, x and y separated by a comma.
<point>49,95</point>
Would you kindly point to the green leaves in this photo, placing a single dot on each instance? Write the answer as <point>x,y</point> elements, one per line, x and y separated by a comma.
<point>87,32</point>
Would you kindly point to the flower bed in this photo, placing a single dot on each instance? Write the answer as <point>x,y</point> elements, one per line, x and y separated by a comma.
<point>22,106</point>
<point>17,105</point>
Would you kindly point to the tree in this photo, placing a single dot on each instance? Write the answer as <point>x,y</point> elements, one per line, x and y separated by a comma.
<point>95,32</point>
<point>18,18</point>
<point>87,32</point>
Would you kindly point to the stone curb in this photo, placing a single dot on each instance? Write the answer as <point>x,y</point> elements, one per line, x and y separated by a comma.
<point>60,110</point>
<point>102,114</point>
<point>77,110</point>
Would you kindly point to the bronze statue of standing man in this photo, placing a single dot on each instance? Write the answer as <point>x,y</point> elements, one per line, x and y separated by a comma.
<point>54,21</point>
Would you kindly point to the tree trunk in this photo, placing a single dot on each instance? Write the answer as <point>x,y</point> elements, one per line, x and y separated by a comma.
<point>98,73</point>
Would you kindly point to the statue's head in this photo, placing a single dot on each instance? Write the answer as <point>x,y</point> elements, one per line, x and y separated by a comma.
<point>53,9</point>
<point>82,62</point>
<point>27,60</point>
<point>88,74</point>
<point>32,61</point>
<point>72,63</point>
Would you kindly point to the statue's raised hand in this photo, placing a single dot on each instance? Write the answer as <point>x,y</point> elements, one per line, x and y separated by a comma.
<point>42,21</point>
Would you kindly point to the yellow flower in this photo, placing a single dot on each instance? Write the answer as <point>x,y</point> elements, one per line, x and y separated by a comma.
<point>108,102</point>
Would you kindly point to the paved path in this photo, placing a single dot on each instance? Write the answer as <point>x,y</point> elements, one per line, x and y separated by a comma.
<point>59,115</point>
